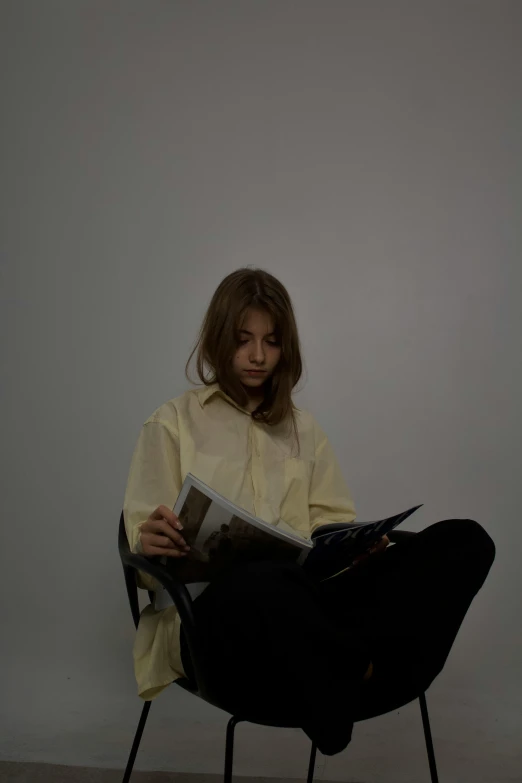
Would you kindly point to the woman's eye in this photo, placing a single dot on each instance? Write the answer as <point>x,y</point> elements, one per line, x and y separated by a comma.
<point>242,342</point>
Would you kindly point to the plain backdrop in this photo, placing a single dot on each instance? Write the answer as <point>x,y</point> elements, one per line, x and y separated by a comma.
<point>366,152</point>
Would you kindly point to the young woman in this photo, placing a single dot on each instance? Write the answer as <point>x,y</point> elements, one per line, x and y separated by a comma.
<point>362,643</point>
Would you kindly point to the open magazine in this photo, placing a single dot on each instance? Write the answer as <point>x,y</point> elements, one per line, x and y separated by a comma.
<point>221,534</point>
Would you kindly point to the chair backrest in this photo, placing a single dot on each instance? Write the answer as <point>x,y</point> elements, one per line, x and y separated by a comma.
<point>128,572</point>
<point>134,563</point>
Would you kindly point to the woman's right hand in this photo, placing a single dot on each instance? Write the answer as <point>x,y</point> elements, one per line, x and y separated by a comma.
<point>159,534</point>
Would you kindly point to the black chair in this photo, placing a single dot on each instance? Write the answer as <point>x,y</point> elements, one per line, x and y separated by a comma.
<point>202,686</point>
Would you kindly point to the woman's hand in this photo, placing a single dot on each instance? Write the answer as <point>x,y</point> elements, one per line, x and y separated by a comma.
<point>380,546</point>
<point>159,536</point>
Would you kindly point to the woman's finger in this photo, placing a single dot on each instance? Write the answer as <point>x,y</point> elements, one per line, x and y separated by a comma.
<point>156,540</point>
<point>162,526</point>
<point>379,546</point>
<point>162,512</point>
<point>383,543</point>
<point>164,551</point>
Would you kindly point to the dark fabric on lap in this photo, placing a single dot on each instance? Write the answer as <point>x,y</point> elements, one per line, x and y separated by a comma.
<point>282,644</point>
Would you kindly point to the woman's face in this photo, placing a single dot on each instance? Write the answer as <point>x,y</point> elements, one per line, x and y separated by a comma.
<point>258,349</point>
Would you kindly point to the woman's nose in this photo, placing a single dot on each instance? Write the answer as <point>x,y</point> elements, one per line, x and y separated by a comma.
<point>258,353</point>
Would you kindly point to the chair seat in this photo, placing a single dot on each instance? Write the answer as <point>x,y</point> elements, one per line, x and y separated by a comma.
<point>291,720</point>
<point>288,721</point>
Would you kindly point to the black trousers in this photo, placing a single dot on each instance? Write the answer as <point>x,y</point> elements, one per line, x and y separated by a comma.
<point>281,644</point>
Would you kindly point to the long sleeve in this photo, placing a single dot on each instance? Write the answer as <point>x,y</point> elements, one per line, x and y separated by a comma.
<point>329,497</point>
<point>154,475</point>
<point>154,480</point>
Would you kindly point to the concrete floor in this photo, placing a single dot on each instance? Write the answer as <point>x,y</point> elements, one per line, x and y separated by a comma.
<point>21,772</point>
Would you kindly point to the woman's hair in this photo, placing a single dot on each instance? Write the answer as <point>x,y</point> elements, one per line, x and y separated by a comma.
<point>219,338</point>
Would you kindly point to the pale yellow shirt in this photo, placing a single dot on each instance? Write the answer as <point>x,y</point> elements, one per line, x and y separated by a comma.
<point>204,432</point>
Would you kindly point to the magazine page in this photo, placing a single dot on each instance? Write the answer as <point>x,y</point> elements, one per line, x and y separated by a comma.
<point>336,550</point>
<point>361,531</point>
<point>192,483</point>
<point>221,534</point>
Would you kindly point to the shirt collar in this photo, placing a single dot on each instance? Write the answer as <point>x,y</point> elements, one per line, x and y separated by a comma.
<point>206,394</point>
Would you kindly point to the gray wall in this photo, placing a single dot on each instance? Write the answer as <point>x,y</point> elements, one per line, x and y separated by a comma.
<point>367,153</point>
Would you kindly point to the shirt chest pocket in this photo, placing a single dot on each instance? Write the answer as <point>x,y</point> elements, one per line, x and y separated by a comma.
<point>294,508</point>
<point>297,470</point>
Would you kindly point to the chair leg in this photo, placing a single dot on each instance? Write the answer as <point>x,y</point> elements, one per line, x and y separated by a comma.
<point>311,765</point>
<point>229,748</point>
<point>427,735</point>
<point>136,743</point>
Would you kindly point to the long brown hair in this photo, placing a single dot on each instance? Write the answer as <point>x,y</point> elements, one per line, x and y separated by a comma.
<point>219,336</point>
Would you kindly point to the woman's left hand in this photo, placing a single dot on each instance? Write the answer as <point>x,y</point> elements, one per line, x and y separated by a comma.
<point>380,546</point>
